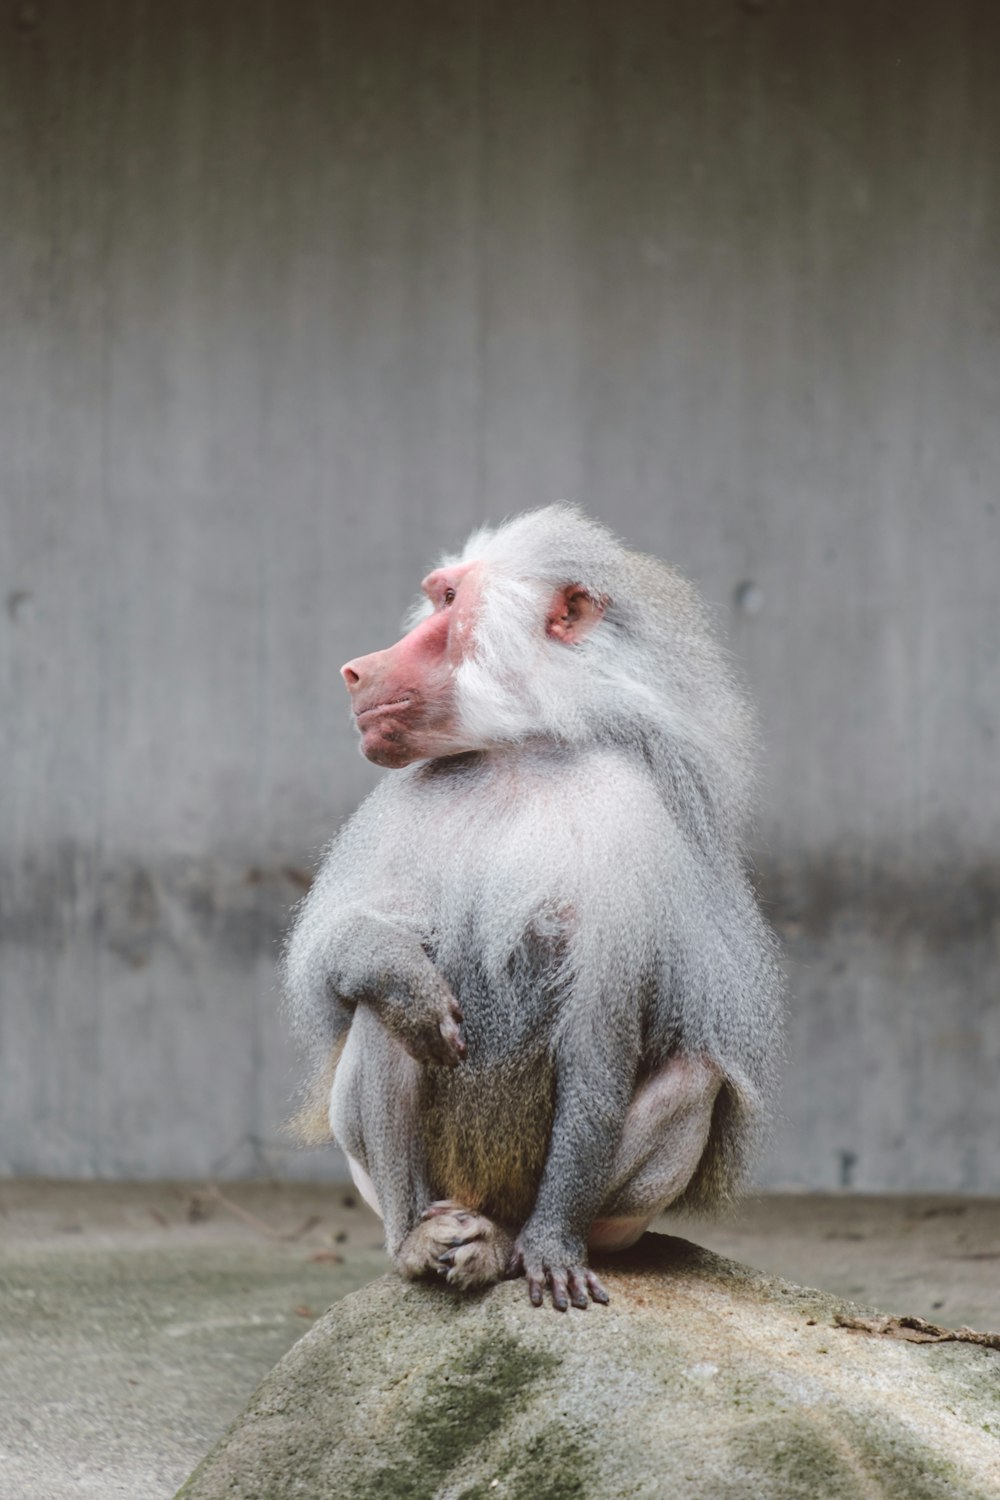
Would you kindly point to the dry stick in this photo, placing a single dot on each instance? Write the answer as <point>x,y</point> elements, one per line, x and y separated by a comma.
<point>214,1191</point>
<point>917,1330</point>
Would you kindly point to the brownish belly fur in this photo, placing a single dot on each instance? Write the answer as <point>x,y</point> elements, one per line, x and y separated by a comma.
<point>487,1134</point>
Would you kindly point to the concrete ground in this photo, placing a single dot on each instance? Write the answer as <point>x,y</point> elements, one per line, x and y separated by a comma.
<point>135,1320</point>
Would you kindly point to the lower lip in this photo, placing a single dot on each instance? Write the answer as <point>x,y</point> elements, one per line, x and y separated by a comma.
<point>367,714</point>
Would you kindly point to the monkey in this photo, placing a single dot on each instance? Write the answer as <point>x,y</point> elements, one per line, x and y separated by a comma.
<point>532,962</point>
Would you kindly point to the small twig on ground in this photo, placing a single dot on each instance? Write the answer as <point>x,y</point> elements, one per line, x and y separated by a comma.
<point>917,1331</point>
<point>262,1227</point>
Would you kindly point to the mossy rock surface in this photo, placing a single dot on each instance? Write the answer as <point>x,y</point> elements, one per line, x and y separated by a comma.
<point>703,1380</point>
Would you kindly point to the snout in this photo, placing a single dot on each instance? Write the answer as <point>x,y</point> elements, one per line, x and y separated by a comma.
<point>365,675</point>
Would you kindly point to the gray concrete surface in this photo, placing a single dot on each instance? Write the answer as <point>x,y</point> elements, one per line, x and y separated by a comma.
<point>295,293</point>
<point>135,1321</point>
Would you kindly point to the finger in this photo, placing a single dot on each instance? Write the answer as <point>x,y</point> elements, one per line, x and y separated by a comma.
<point>578,1290</point>
<point>560,1299</point>
<point>515,1266</point>
<point>535,1290</point>
<point>445,1206</point>
<point>595,1288</point>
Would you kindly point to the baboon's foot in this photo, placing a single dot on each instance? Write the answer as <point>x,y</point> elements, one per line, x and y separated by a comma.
<point>464,1247</point>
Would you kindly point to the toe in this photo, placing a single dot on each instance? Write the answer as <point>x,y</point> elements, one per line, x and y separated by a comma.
<point>596,1289</point>
<point>560,1296</point>
<point>578,1289</point>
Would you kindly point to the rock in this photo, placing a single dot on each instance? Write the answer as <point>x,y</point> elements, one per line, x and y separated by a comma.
<point>703,1378</point>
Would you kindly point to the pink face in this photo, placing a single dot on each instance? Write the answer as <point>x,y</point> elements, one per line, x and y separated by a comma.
<point>404,697</point>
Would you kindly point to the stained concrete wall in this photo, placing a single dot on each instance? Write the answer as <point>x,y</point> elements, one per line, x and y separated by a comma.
<point>296,292</point>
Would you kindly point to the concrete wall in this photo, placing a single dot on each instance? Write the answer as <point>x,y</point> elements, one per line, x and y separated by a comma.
<point>294,293</point>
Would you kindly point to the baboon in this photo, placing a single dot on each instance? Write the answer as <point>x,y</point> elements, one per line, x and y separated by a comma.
<point>532,960</point>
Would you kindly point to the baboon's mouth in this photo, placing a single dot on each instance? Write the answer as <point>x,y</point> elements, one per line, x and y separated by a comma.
<point>381,708</point>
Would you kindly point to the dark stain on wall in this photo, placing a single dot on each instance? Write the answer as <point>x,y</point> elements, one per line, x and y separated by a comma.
<point>942,906</point>
<point>242,907</point>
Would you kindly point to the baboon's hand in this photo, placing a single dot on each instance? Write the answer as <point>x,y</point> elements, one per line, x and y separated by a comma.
<point>557,1262</point>
<point>427,1021</point>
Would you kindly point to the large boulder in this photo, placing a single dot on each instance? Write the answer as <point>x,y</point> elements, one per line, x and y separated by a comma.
<point>701,1379</point>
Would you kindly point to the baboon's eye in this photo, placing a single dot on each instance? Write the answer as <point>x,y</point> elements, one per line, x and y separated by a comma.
<point>449,596</point>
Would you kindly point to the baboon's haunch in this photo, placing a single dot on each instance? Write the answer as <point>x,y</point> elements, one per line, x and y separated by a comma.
<point>533,955</point>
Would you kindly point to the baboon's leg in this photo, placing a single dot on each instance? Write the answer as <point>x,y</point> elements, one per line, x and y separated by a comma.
<point>666,1130</point>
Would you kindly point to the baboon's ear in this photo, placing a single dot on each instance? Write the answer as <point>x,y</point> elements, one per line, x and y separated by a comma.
<point>573,614</point>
